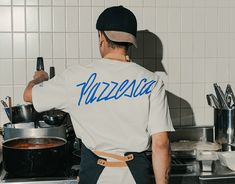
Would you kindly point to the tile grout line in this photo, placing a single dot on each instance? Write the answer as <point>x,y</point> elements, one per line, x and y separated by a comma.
<point>25,39</point>
<point>52,32</point>
<point>65,35</point>
<point>12,54</point>
<point>39,28</point>
<point>78,34</point>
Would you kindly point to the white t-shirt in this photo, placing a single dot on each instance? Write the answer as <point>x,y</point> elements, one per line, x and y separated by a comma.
<point>114,106</point>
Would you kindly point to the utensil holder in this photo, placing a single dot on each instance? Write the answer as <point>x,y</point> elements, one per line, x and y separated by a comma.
<point>224,122</point>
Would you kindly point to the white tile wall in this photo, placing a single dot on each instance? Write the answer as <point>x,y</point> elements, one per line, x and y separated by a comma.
<point>46,45</point>
<point>5,45</point>
<point>72,45</point>
<point>6,67</point>
<point>19,45</point>
<point>32,45</point>
<point>59,45</point>
<point>32,22</point>
<point>198,39</point>
<point>59,19</point>
<point>5,18</point>
<point>85,23</point>
<point>19,75</point>
<point>18,19</point>
<point>58,2</point>
<point>18,2</point>
<point>72,19</point>
<point>45,19</point>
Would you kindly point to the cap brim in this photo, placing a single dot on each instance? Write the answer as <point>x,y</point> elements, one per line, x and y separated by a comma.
<point>119,36</point>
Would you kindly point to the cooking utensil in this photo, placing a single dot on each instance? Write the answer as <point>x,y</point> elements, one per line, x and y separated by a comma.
<point>34,157</point>
<point>40,64</point>
<point>228,100</point>
<point>220,96</point>
<point>230,95</point>
<point>9,108</point>
<point>52,72</point>
<point>9,101</point>
<point>4,104</point>
<point>23,130</point>
<point>212,101</point>
<point>22,113</point>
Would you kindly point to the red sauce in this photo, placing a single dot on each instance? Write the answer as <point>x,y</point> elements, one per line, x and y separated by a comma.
<point>37,143</point>
<point>35,146</point>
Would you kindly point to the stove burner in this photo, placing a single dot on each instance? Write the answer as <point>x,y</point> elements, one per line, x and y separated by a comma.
<point>181,166</point>
<point>67,177</point>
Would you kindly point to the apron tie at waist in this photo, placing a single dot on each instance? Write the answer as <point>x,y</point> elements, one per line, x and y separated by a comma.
<point>111,164</point>
<point>117,157</point>
<point>122,159</point>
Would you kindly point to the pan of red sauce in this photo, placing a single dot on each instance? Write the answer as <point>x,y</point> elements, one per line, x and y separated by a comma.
<point>34,157</point>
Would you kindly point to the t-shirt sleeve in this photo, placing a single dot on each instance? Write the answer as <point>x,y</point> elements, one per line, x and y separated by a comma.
<point>159,115</point>
<point>52,94</point>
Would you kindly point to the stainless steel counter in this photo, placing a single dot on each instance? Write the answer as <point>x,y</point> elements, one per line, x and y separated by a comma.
<point>219,175</point>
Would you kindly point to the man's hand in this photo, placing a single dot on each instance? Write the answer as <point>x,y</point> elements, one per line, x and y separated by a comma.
<point>39,76</point>
<point>161,157</point>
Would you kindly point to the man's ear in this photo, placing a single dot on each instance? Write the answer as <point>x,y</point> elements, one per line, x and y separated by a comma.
<point>101,37</point>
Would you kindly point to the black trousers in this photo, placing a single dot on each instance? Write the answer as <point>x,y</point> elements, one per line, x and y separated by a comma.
<point>140,168</point>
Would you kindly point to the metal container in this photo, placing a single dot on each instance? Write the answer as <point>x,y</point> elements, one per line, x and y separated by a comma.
<point>53,117</point>
<point>224,122</point>
<point>27,130</point>
<point>192,133</point>
<point>34,157</point>
<point>22,113</point>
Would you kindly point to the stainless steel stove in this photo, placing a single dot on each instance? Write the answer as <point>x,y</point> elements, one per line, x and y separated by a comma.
<point>39,180</point>
<point>184,171</point>
<point>48,180</point>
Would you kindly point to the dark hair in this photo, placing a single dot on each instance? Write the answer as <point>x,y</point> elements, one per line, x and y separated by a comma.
<point>113,44</point>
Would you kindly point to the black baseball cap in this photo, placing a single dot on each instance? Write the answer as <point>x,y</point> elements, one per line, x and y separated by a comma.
<point>119,24</point>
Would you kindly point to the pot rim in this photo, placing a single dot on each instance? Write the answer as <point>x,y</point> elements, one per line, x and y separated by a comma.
<point>20,105</point>
<point>9,123</point>
<point>39,137</point>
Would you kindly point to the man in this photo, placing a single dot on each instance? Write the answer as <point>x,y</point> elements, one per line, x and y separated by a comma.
<point>117,107</point>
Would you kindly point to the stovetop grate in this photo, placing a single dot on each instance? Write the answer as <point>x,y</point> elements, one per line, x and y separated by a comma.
<point>181,166</point>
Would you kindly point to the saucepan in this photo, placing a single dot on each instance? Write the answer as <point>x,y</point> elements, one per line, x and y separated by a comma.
<point>53,117</point>
<point>27,113</point>
<point>22,113</point>
<point>34,157</point>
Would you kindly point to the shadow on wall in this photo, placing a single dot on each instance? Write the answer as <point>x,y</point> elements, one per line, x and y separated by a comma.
<point>149,54</point>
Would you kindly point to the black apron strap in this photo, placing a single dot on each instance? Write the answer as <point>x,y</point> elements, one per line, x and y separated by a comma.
<point>141,168</point>
<point>90,171</point>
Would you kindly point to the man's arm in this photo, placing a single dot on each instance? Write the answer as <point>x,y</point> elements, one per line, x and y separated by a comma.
<point>38,77</point>
<point>161,157</point>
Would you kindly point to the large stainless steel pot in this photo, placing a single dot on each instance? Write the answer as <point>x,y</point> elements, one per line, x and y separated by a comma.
<point>34,157</point>
<point>22,130</point>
